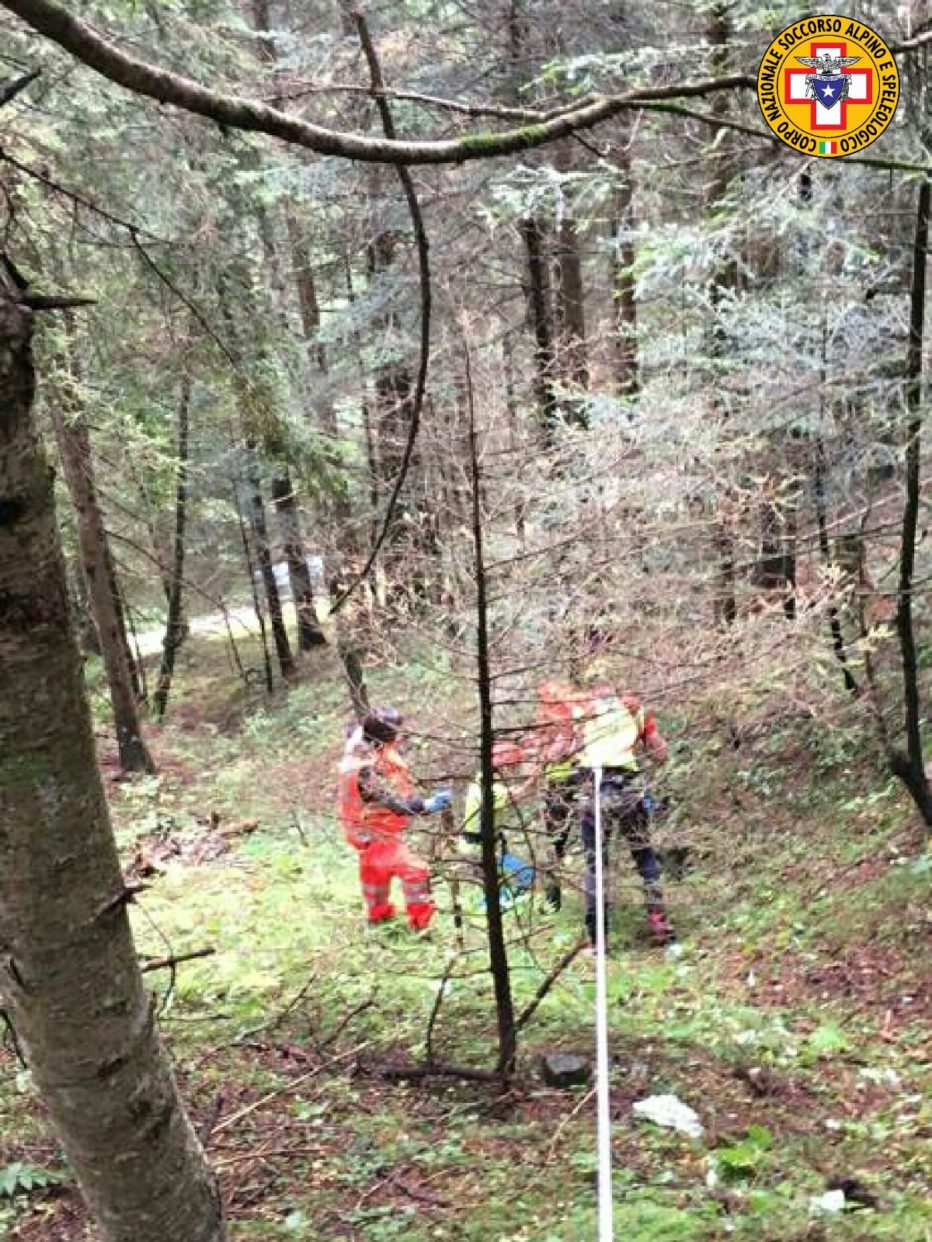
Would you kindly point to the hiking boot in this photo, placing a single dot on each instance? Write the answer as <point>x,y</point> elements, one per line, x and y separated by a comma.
<point>660,930</point>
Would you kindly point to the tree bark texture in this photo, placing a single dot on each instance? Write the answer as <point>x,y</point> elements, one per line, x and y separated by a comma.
<point>723,277</point>
<point>174,625</point>
<point>70,981</point>
<point>570,304</point>
<point>78,465</point>
<point>302,592</point>
<point>260,534</point>
<point>910,767</point>
<point>498,951</point>
<point>540,312</point>
<point>623,293</point>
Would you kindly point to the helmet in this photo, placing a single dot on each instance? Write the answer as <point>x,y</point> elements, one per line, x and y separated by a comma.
<point>506,754</point>
<point>383,724</point>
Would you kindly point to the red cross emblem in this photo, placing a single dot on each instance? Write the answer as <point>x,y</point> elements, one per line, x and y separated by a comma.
<point>861,90</point>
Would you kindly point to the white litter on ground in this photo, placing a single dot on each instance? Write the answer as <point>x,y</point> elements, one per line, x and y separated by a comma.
<point>668,1111</point>
<point>829,1204</point>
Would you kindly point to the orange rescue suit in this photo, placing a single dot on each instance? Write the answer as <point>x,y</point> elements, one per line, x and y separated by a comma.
<point>376,832</point>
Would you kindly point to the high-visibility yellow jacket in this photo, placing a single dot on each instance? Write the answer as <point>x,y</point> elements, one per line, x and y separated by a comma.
<point>612,730</point>
<point>504,810</point>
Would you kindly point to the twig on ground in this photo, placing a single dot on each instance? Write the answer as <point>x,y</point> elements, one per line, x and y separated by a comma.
<point>531,1008</point>
<point>435,1011</point>
<point>566,1121</point>
<point>272,1023</point>
<point>344,1022</point>
<point>288,1086</point>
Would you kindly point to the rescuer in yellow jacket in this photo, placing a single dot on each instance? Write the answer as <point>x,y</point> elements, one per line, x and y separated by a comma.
<point>614,729</point>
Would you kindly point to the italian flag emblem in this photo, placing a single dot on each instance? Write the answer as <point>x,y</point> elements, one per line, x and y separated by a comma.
<point>828,148</point>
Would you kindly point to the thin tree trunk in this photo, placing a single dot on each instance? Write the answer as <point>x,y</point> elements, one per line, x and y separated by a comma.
<point>514,432</point>
<point>570,304</point>
<point>498,952</point>
<point>834,620</point>
<point>70,981</point>
<point>623,292</point>
<point>254,590</point>
<point>345,621</point>
<point>309,632</point>
<point>119,605</point>
<point>372,459</point>
<point>88,637</point>
<point>909,767</point>
<point>309,309</point>
<point>260,535</point>
<point>724,277</point>
<point>99,574</point>
<point>540,310</point>
<point>174,625</point>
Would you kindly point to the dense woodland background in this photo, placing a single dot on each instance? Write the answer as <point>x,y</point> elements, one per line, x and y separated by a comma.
<point>648,398</point>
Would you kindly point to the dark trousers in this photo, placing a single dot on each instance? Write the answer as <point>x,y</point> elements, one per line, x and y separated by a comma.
<point>622,813</point>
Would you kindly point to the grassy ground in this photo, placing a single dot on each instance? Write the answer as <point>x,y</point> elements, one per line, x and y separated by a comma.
<point>796,1020</point>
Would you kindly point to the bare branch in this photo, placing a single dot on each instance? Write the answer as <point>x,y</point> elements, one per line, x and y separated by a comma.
<point>423,257</point>
<point>12,89</point>
<point>170,962</point>
<point>56,186</point>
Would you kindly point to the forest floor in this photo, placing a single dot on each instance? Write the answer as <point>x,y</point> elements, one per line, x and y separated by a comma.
<point>796,1020</point>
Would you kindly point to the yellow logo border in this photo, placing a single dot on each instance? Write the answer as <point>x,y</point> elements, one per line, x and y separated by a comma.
<point>805,141</point>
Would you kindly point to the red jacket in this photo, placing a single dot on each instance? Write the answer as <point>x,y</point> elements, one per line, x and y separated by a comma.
<point>364,822</point>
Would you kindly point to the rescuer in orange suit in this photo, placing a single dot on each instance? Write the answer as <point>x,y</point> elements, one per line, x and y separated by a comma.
<point>377,799</point>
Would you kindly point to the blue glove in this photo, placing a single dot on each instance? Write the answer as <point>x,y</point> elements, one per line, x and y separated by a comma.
<point>439,800</point>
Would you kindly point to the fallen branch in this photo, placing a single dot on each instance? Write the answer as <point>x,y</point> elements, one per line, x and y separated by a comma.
<point>438,1069</point>
<point>288,1086</point>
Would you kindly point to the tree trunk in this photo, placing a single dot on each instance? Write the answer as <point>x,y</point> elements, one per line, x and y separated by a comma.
<point>540,311</point>
<point>309,632</point>
<point>78,466</point>
<point>834,619</point>
<point>119,606</point>
<point>70,981</point>
<point>260,534</point>
<point>174,625</point>
<point>309,309</point>
<point>909,767</point>
<point>570,304</point>
<point>498,952</point>
<point>88,638</point>
<point>723,277</point>
<point>254,591</point>
<point>623,297</point>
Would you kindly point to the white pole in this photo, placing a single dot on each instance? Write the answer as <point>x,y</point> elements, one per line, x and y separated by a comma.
<point>603,1097</point>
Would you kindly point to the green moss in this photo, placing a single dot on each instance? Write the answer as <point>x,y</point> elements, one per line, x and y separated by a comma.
<point>488,144</point>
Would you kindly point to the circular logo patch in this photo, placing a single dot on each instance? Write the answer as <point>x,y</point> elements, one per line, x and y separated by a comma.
<point>828,86</point>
